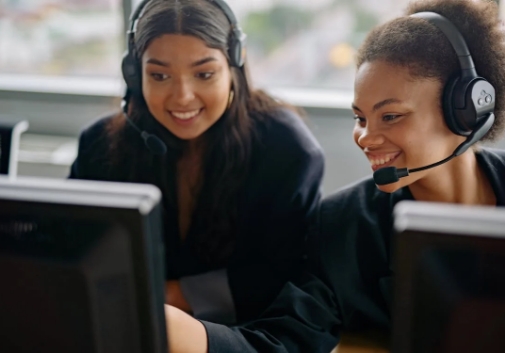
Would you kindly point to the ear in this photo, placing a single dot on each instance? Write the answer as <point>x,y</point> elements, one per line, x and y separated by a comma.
<point>230,98</point>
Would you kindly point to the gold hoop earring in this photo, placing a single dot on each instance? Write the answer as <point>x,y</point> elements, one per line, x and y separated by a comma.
<point>230,99</point>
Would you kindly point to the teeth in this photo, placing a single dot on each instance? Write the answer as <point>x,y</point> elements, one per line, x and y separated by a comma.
<point>381,161</point>
<point>186,115</point>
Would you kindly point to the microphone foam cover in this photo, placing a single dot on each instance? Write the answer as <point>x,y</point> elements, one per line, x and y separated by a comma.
<point>154,144</point>
<point>386,175</point>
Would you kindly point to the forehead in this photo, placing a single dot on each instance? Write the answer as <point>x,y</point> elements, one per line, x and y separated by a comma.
<point>378,80</point>
<point>178,47</point>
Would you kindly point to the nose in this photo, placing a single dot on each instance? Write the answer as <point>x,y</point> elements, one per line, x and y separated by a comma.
<point>183,92</point>
<point>368,136</point>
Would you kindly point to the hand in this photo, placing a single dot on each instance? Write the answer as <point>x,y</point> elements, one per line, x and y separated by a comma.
<point>174,296</point>
<point>184,333</point>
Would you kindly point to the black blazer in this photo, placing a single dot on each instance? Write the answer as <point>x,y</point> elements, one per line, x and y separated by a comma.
<point>278,197</point>
<point>349,284</point>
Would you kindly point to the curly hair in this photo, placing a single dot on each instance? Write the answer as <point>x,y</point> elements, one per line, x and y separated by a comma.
<point>422,48</point>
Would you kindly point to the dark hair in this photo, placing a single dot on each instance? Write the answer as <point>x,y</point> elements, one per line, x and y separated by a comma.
<point>228,142</point>
<point>423,49</point>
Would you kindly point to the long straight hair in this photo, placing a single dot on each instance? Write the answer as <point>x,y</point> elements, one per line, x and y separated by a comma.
<point>227,156</point>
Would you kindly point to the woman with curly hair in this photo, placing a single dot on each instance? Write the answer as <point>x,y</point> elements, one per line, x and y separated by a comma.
<point>412,110</point>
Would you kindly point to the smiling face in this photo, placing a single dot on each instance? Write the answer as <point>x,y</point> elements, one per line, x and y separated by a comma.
<point>399,121</point>
<point>185,84</point>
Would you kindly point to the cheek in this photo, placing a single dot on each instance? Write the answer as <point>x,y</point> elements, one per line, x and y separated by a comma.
<point>220,97</point>
<point>413,142</point>
<point>424,145</point>
<point>411,135</point>
<point>356,134</point>
<point>146,87</point>
<point>429,139</point>
<point>152,96</point>
<point>413,146</point>
<point>216,97</point>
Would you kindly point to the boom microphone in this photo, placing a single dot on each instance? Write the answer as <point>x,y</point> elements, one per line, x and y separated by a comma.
<point>152,142</point>
<point>389,175</point>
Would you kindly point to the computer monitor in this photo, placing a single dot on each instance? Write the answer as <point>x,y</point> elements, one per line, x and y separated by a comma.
<point>81,267</point>
<point>449,279</point>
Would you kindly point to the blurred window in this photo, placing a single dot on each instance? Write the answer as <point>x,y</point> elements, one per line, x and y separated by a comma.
<point>309,43</point>
<point>61,37</point>
<point>291,43</point>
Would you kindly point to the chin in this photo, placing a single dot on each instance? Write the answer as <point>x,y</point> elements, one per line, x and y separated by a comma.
<point>390,188</point>
<point>187,137</point>
<point>185,134</point>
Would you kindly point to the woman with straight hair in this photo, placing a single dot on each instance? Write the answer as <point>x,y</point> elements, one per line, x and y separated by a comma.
<point>416,105</point>
<point>239,171</point>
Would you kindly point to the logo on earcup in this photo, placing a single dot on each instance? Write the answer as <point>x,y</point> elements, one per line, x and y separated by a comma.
<point>485,98</point>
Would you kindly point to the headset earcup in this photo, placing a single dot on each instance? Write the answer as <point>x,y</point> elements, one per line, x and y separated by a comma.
<point>450,116</point>
<point>234,52</point>
<point>237,47</point>
<point>130,71</point>
<point>480,99</point>
<point>476,99</point>
<point>241,50</point>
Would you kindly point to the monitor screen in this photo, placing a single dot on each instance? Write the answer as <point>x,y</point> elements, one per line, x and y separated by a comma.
<point>449,278</point>
<point>81,267</point>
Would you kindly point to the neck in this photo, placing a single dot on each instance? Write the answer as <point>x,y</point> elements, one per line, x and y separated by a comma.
<point>194,148</point>
<point>459,181</point>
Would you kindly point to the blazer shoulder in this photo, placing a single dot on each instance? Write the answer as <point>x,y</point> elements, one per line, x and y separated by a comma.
<point>356,196</point>
<point>95,132</point>
<point>93,151</point>
<point>283,131</point>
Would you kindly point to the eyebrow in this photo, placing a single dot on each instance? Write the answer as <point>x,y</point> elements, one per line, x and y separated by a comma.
<point>194,64</point>
<point>203,61</point>
<point>157,62</point>
<point>381,104</point>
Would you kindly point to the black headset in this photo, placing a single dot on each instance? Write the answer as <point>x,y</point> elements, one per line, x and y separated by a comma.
<point>467,98</point>
<point>130,66</point>
<point>132,73</point>
<point>468,102</point>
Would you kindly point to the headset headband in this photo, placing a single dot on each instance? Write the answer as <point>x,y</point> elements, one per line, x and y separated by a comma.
<point>236,40</point>
<point>468,99</point>
<point>139,12</point>
<point>455,38</point>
